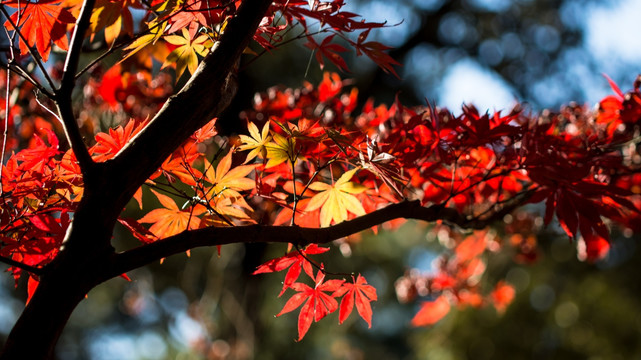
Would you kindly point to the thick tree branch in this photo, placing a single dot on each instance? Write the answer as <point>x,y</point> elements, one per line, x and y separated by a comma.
<point>212,236</point>
<point>206,95</point>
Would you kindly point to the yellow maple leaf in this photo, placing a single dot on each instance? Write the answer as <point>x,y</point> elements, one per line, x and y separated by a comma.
<point>280,150</point>
<point>335,201</point>
<point>256,142</point>
<point>185,56</point>
<point>155,32</point>
<point>112,17</point>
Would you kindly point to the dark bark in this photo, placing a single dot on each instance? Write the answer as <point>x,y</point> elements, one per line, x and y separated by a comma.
<point>87,255</point>
<point>63,284</point>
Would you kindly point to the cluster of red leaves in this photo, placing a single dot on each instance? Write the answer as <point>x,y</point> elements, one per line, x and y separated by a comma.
<point>188,30</point>
<point>308,160</point>
<point>41,187</point>
<point>320,300</point>
<point>322,166</point>
<point>455,279</point>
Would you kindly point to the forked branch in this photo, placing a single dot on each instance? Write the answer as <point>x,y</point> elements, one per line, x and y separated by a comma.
<point>206,95</point>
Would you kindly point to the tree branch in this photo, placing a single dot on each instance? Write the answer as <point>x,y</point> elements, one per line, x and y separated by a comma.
<point>206,95</point>
<point>212,236</point>
<point>29,268</point>
<point>18,70</point>
<point>75,49</point>
<point>63,94</point>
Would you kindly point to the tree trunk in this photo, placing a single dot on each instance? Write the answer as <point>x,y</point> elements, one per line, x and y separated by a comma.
<point>81,265</point>
<point>87,257</point>
<point>37,331</point>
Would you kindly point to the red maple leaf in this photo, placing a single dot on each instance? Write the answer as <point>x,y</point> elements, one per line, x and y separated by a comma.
<point>360,293</point>
<point>329,50</point>
<point>318,303</point>
<point>375,51</point>
<point>295,261</point>
<point>41,23</point>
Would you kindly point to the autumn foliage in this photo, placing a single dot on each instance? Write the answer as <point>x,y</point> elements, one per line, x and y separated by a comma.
<point>312,157</point>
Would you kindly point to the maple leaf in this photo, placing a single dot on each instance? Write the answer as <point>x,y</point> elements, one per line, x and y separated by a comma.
<point>336,200</point>
<point>431,312</point>
<point>330,51</point>
<point>360,293</point>
<point>112,16</point>
<point>256,142</point>
<point>155,33</point>
<point>191,19</point>
<point>227,181</point>
<point>318,303</point>
<point>295,261</point>
<point>376,52</point>
<point>138,231</point>
<point>39,155</point>
<point>280,150</point>
<point>108,145</point>
<point>170,220</point>
<point>41,23</point>
<point>223,196</point>
<point>206,132</point>
<point>185,56</point>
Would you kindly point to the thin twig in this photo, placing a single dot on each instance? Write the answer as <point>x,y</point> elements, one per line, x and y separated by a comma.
<point>29,268</point>
<point>5,132</point>
<point>18,70</point>
<point>47,109</point>
<point>293,222</point>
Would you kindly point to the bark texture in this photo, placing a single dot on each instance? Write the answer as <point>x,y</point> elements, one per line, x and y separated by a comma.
<point>87,257</point>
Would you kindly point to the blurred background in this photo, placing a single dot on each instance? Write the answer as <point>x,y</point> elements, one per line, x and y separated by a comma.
<point>492,53</point>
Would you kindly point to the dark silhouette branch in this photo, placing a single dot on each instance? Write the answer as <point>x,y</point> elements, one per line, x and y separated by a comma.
<point>63,94</point>
<point>213,236</point>
<point>18,70</point>
<point>72,132</point>
<point>75,49</point>
<point>205,96</point>
<point>29,268</point>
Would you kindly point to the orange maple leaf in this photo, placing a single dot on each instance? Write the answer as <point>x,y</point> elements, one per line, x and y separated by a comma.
<point>41,23</point>
<point>170,220</point>
<point>226,183</point>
